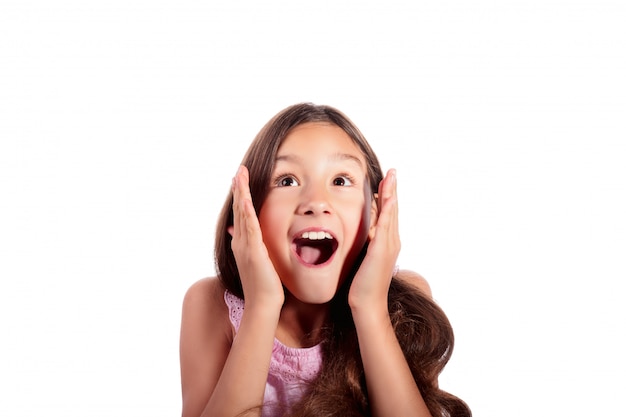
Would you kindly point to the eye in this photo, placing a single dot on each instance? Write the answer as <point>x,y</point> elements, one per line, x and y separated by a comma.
<point>343,181</point>
<point>286,181</point>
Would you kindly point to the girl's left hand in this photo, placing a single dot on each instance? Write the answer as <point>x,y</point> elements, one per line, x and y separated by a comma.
<point>370,286</point>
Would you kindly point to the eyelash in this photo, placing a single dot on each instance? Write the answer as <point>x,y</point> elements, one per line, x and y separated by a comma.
<point>281,177</point>
<point>347,177</point>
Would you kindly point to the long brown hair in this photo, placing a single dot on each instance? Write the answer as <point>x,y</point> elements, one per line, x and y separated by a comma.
<point>422,328</point>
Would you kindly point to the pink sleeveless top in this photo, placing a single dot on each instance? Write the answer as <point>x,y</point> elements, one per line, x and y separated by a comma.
<point>290,368</point>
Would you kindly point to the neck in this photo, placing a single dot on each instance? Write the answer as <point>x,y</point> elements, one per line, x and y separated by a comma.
<point>300,324</point>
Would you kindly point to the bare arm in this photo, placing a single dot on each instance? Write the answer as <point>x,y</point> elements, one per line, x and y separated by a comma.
<point>222,375</point>
<point>205,339</point>
<point>390,384</point>
<point>220,378</point>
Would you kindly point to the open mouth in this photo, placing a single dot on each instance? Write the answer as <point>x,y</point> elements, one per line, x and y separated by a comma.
<point>315,247</point>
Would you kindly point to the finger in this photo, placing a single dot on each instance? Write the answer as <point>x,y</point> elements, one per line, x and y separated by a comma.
<point>240,195</point>
<point>243,180</point>
<point>249,227</point>
<point>389,190</point>
<point>387,193</point>
<point>394,197</point>
<point>386,234</point>
<point>236,205</point>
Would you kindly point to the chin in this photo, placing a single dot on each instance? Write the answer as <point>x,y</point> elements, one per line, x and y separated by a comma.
<point>315,295</point>
<point>314,285</point>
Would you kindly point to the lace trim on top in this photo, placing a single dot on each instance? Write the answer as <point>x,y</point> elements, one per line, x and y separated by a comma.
<point>287,363</point>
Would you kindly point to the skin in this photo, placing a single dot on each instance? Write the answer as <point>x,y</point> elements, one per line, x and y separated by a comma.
<point>320,184</point>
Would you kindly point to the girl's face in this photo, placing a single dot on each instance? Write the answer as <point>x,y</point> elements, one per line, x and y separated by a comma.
<point>318,212</point>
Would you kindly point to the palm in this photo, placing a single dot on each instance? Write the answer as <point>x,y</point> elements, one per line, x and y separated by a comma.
<point>372,280</point>
<point>259,278</point>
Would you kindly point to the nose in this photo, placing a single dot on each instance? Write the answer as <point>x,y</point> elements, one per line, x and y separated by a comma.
<point>314,201</point>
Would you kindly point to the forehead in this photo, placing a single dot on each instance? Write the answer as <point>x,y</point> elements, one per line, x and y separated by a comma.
<point>322,140</point>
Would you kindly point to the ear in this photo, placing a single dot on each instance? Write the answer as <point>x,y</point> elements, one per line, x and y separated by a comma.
<point>373,217</point>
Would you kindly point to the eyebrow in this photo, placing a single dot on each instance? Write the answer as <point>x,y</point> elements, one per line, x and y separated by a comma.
<point>339,156</point>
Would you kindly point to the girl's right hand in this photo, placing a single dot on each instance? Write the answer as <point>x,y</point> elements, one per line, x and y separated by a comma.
<point>259,279</point>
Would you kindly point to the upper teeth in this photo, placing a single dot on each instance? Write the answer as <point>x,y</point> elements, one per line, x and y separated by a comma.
<point>316,235</point>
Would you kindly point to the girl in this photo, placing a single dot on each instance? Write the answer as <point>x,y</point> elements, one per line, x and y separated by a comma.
<point>308,237</point>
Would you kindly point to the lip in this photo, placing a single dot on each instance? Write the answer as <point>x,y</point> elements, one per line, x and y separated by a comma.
<point>294,246</point>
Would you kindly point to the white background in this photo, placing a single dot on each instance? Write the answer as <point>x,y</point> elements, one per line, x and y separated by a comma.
<point>122,123</point>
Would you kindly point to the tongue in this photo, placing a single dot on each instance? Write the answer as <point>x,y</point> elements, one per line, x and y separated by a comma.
<point>310,254</point>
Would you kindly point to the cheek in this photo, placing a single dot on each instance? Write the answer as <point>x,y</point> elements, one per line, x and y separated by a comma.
<point>269,222</point>
<point>274,222</point>
<point>270,211</point>
<point>359,220</point>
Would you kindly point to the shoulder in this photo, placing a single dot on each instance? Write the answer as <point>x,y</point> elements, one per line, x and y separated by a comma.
<point>205,339</point>
<point>204,292</point>
<point>205,287</point>
<point>414,279</point>
<point>204,306</point>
